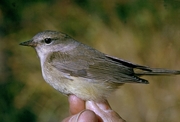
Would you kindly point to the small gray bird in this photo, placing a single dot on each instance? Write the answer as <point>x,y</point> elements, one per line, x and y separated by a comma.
<point>74,68</point>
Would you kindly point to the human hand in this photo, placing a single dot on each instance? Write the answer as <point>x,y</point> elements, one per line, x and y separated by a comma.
<point>90,111</point>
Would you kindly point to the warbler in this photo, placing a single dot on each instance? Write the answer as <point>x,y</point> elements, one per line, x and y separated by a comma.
<point>72,67</point>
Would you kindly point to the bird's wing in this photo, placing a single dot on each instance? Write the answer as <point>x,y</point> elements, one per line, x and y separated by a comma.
<point>95,66</point>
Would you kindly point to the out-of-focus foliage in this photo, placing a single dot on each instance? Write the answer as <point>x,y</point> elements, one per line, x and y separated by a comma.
<point>144,32</point>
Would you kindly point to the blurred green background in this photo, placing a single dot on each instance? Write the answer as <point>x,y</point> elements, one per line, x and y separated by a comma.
<point>143,32</point>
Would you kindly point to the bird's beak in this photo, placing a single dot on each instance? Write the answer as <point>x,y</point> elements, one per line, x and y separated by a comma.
<point>29,43</point>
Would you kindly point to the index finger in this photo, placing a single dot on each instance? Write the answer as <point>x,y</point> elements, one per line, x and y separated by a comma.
<point>76,105</point>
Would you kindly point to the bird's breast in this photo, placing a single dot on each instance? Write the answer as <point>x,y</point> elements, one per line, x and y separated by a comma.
<point>55,78</point>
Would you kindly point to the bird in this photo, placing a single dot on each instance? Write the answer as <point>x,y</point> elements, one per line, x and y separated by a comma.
<point>72,67</point>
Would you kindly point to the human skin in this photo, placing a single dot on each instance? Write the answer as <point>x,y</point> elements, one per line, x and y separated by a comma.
<point>90,111</point>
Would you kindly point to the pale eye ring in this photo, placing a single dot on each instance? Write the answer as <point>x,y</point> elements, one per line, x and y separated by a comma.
<point>47,40</point>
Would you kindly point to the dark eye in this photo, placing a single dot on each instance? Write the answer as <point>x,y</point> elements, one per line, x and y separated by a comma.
<point>47,40</point>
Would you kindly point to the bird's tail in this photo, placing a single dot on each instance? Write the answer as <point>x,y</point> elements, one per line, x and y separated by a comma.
<point>144,70</point>
<point>156,71</point>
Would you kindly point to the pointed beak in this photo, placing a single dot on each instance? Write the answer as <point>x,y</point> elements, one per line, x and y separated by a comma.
<point>29,43</point>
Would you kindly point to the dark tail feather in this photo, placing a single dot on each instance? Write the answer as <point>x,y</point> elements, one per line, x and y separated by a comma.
<point>157,71</point>
<point>144,69</point>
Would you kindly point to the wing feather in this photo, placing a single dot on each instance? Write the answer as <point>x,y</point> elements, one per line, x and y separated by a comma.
<point>93,65</point>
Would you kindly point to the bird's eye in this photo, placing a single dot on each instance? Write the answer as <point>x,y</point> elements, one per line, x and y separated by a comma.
<point>47,40</point>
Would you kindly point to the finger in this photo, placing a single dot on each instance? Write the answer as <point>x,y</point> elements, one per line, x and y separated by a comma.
<point>104,111</point>
<point>101,106</point>
<point>83,116</point>
<point>76,105</point>
<point>104,105</point>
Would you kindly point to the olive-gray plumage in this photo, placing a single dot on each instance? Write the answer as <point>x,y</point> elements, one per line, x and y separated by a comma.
<point>74,68</point>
